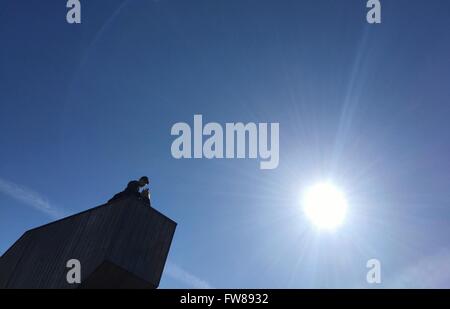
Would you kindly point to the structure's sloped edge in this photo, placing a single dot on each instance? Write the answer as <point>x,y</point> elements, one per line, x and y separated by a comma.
<point>110,276</point>
<point>133,238</point>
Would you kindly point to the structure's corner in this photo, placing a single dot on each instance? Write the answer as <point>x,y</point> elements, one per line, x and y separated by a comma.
<point>123,244</point>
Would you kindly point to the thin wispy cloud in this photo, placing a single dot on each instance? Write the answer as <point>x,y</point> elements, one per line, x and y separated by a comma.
<point>191,281</point>
<point>430,272</point>
<point>31,198</point>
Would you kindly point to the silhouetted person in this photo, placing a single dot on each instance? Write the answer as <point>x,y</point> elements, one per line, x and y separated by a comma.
<point>132,189</point>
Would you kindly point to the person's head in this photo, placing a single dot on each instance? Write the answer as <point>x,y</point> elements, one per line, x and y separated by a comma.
<point>143,181</point>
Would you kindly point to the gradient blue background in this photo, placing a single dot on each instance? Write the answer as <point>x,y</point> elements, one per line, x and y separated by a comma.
<point>85,108</point>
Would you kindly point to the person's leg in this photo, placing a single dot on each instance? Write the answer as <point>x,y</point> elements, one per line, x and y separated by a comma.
<point>116,197</point>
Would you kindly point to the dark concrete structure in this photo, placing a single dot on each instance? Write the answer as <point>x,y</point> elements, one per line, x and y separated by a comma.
<point>123,244</point>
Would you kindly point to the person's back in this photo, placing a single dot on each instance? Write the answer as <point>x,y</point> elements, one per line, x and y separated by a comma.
<point>132,189</point>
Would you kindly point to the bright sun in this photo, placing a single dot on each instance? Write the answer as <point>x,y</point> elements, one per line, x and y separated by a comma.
<point>325,205</point>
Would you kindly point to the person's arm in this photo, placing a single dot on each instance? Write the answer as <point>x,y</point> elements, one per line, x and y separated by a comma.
<point>145,194</point>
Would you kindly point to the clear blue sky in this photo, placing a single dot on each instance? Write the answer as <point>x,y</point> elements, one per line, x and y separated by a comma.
<point>85,108</point>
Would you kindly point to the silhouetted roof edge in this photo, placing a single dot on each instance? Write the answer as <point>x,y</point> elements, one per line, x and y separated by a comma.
<point>79,213</point>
